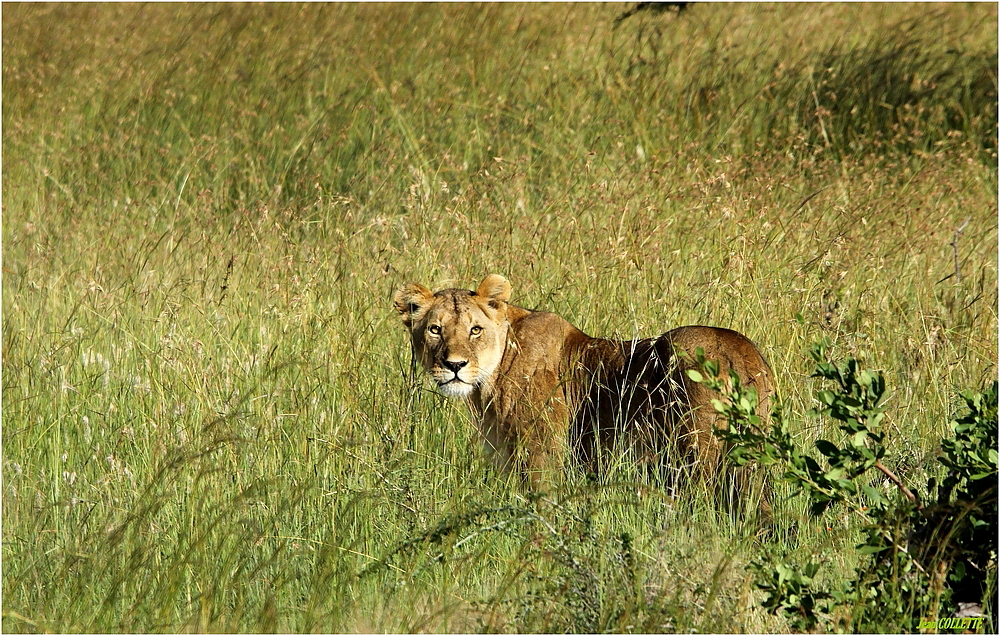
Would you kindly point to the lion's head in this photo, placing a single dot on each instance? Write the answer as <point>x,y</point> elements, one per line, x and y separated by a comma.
<point>458,335</point>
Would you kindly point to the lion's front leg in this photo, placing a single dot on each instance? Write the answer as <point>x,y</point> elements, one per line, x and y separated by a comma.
<point>545,444</point>
<point>499,445</point>
<point>544,467</point>
<point>535,457</point>
<point>525,430</point>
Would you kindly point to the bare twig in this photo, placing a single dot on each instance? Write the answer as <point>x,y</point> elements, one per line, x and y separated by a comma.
<point>954,248</point>
<point>225,280</point>
<point>899,484</point>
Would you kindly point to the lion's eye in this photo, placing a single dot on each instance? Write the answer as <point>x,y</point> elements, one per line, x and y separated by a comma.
<point>475,331</point>
<point>435,329</point>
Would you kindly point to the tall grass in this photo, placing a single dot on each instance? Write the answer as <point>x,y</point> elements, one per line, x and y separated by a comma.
<point>210,419</point>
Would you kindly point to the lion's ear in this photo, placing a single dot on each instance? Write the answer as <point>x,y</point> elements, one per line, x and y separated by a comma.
<point>411,300</point>
<point>496,289</point>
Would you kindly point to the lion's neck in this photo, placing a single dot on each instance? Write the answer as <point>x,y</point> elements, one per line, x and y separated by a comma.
<point>537,344</point>
<point>486,394</point>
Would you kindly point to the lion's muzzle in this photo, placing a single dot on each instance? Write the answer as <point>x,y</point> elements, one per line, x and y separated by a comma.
<point>448,377</point>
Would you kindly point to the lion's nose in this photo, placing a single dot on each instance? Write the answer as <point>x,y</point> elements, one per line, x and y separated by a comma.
<point>455,365</point>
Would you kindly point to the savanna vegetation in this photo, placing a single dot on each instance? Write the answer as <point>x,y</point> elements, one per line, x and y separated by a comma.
<point>211,421</point>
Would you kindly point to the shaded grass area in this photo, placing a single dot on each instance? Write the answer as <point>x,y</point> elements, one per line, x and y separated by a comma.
<point>210,420</point>
<point>900,87</point>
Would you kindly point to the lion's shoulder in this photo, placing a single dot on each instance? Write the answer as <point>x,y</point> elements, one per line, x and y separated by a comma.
<point>545,333</point>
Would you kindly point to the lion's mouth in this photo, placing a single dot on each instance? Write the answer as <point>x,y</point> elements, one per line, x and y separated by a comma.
<point>455,387</point>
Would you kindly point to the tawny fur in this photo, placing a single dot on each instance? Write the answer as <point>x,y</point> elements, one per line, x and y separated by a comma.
<point>540,388</point>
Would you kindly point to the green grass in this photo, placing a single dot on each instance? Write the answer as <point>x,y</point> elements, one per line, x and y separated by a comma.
<point>209,417</point>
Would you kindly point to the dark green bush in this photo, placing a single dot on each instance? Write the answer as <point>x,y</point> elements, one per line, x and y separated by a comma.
<point>926,557</point>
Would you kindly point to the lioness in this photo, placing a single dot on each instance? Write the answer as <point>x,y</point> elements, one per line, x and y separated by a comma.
<point>539,386</point>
